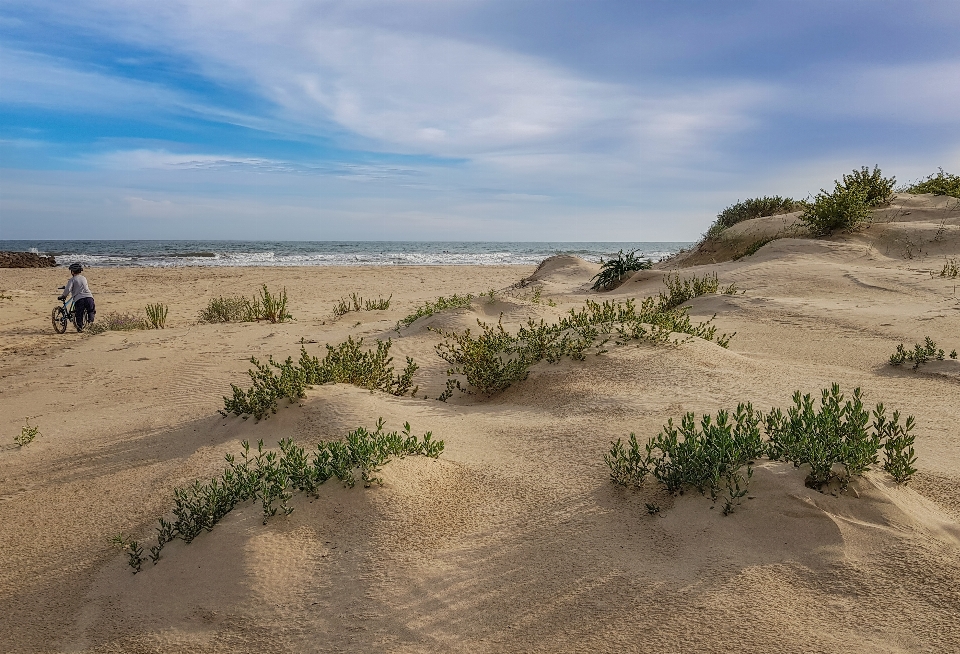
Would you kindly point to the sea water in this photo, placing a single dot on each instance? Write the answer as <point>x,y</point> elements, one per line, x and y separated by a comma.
<point>167,254</point>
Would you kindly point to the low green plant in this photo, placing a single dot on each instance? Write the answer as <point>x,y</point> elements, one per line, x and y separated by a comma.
<point>271,477</point>
<point>27,433</point>
<point>272,308</point>
<point>493,359</point>
<point>709,456</point>
<point>919,355</point>
<point>5,297</point>
<point>117,322</point>
<point>953,354</point>
<point>613,271</point>
<point>157,315</point>
<point>752,208</point>
<point>835,441</point>
<point>440,304</point>
<point>132,548</point>
<point>680,290</point>
<point>264,306</point>
<point>940,183</point>
<point>357,303</point>
<point>347,363</point>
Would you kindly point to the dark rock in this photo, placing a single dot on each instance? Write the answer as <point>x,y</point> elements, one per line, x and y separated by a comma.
<point>25,260</point>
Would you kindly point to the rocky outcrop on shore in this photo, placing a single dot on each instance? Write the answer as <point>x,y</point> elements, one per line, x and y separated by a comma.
<point>25,260</point>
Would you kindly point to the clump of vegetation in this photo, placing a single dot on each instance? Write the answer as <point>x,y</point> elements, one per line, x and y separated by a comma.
<point>5,297</point>
<point>116,322</point>
<point>835,434</point>
<point>681,290</point>
<point>940,183</point>
<point>951,269</point>
<point>920,354</point>
<point>877,188</point>
<point>849,203</point>
<point>270,478</point>
<point>27,433</point>
<point>347,363</point>
<point>708,456</point>
<point>440,304</point>
<point>157,315</point>
<point>264,306</point>
<point>133,550</point>
<point>834,440</point>
<point>845,208</point>
<point>357,303</point>
<point>613,271</point>
<point>494,359</point>
<point>752,208</point>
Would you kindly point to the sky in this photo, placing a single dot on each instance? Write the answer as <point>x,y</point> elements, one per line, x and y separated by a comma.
<point>503,120</point>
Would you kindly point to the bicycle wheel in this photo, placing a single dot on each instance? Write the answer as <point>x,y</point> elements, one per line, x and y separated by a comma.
<point>59,319</point>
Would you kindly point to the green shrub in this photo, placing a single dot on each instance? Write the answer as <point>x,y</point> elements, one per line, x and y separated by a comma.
<point>877,188</point>
<point>919,355</point>
<point>346,363</point>
<point>835,440</point>
<point>494,359</point>
<point>707,457</point>
<point>271,477</point>
<point>613,271</point>
<point>845,208</point>
<point>941,183</point>
<point>440,304</point>
<point>157,315</point>
<point>752,208</point>
<point>27,433</point>
<point>264,306</point>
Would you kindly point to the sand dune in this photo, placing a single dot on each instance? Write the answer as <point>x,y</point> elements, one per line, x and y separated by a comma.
<point>514,539</point>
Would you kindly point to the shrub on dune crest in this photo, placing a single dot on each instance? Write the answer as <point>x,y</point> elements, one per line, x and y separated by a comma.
<point>850,202</point>
<point>940,183</point>
<point>752,208</point>
<point>347,363</point>
<point>834,441</point>
<point>271,477</point>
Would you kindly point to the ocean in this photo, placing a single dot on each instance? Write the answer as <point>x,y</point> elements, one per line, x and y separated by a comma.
<point>168,254</point>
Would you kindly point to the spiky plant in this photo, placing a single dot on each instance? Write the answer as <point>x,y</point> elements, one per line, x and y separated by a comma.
<point>613,271</point>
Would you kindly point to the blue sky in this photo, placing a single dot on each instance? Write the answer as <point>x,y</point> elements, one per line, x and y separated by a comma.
<point>458,119</point>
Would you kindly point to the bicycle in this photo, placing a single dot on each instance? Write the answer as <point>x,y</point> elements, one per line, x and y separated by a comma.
<point>63,314</point>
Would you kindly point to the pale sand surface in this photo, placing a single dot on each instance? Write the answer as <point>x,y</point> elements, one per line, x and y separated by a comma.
<point>514,540</point>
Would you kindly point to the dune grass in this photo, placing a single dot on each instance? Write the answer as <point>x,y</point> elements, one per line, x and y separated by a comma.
<point>357,303</point>
<point>264,306</point>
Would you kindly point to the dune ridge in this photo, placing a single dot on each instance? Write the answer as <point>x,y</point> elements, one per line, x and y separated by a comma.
<point>514,539</point>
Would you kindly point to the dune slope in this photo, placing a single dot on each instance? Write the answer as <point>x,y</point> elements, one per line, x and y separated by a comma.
<point>514,539</point>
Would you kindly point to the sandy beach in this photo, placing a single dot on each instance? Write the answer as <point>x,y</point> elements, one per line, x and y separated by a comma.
<point>514,539</point>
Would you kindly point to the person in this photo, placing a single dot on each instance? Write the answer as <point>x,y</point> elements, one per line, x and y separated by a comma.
<point>83,306</point>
